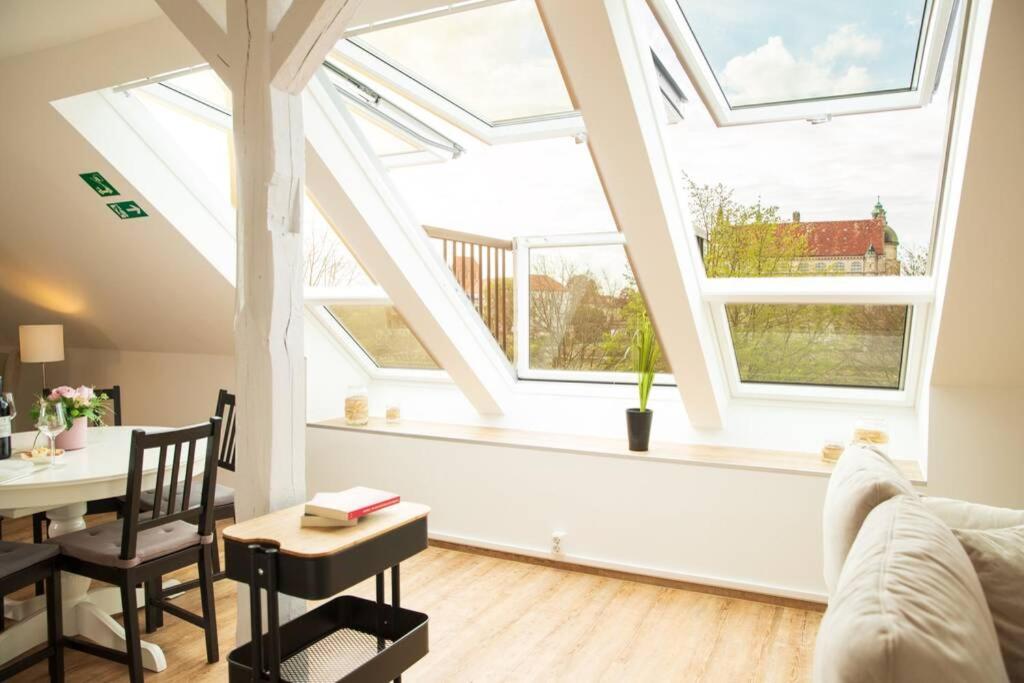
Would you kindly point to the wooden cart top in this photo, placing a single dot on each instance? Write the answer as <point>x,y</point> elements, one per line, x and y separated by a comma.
<point>281,528</point>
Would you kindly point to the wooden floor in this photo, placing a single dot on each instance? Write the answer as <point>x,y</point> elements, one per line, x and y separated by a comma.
<point>494,619</point>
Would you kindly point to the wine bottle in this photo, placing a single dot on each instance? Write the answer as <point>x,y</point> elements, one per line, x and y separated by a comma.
<point>5,424</point>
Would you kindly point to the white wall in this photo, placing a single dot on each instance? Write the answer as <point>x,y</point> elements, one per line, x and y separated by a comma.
<point>720,526</point>
<point>975,432</point>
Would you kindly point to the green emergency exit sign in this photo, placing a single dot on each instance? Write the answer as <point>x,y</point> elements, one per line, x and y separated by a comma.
<point>128,209</point>
<point>99,184</point>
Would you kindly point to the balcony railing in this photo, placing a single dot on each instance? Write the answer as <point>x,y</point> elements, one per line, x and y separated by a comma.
<point>483,267</point>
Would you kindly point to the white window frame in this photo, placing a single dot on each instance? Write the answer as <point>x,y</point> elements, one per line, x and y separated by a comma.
<point>919,293</point>
<point>317,301</point>
<point>214,114</point>
<point>364,60</point>
<point>522,247</point>
<point>926,72</point>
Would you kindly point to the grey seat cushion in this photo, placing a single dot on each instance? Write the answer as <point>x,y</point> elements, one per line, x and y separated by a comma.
<point>15,557</point>
<point>102,544</point>
<point>908,606</point>
<point>223,495</point>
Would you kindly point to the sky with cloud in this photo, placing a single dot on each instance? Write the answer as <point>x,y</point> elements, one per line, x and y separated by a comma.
<point>759,51</point>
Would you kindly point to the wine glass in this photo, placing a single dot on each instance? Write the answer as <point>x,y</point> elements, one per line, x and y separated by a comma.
<point>52,421</point>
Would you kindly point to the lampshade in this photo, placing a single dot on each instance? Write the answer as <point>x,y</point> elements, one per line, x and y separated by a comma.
<point>41,343</point>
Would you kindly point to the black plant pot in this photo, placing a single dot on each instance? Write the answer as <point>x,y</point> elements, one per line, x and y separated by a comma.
<point>638,426</point>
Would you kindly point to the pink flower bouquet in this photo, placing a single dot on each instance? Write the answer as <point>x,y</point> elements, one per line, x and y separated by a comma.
<point>80,402</point>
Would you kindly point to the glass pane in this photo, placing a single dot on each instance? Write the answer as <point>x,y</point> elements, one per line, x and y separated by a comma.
<point>206,144</point>
<point>328,262</point>
<point>204,85</point>
<point>584,305</point>
<point>852,196</point>
<point>383,335</point>
<point>762,53</point>
<point>495,62</point>
<point>819,344</point>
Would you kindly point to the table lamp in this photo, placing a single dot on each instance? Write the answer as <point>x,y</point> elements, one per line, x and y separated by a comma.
<point>41,344</point>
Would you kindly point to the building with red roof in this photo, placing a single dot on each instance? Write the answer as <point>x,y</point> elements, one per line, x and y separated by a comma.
<point>853,247</point>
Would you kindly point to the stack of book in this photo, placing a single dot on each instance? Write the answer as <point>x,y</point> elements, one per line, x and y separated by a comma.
<point>345,508</point>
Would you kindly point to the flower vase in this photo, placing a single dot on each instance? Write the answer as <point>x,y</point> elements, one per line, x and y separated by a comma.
<point>74,438</point>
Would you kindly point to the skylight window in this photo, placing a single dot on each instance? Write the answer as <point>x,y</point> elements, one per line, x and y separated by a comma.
<point>383,335</point>
<point>785,52</point>
<point>792,60</point>
<point>494,62</point>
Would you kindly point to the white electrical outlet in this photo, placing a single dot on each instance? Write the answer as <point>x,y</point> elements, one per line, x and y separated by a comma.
<point>558,542</point>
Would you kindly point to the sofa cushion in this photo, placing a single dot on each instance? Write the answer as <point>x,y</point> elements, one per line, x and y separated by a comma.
<point>908,606</point>
<point>863,478</point>
<point>960,514</point>
<point>998,559</point>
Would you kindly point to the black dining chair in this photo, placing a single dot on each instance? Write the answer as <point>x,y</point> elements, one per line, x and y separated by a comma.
<point>22,564</point>
<point>224,497</point>
<point>94,507</point>
<point>139,548</point>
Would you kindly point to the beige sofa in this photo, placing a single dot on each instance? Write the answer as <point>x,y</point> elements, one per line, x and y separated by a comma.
<point>906,603</point>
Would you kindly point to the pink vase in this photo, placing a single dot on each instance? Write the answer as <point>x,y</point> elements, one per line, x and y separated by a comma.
<point>74,438</point>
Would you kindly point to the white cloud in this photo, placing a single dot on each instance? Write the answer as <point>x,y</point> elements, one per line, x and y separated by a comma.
<point>771,73</point>
<point>847,41</point>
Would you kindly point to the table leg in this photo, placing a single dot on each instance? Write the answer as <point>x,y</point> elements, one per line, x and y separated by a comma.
<point>86,612</point>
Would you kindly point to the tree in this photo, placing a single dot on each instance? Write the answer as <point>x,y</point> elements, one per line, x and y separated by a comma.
<point>913,259</point>
<point>742,240</point>
<point>327,264</point>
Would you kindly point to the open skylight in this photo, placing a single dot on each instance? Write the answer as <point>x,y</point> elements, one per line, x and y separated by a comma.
<point>755,61</point>
<point>793,51</point>
<point>494,61</point>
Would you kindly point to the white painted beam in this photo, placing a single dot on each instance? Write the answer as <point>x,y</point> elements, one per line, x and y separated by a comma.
<point>202,31</point>
<point>354,192</point>
<point>613,83</point>
<point>307,32</point>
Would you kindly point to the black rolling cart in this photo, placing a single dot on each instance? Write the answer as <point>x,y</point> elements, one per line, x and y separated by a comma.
<point>348,638</point>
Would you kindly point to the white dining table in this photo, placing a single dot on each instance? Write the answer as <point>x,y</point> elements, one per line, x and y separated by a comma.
<point>98,471</point>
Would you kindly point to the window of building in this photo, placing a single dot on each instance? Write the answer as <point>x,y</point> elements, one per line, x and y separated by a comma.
<point>857,267</point>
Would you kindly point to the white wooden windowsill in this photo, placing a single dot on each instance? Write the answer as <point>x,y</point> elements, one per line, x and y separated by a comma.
<point>710,456</point>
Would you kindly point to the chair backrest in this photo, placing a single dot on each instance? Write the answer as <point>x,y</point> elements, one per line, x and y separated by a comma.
<point>226,411</point>
<point>174,505</point>
<point>113,393</point>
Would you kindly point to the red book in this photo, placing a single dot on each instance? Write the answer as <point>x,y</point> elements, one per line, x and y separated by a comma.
<point>351,503</point>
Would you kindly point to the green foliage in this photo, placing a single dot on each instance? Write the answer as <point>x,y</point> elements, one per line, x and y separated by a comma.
<point>744,241</point>
<point>645,353</point>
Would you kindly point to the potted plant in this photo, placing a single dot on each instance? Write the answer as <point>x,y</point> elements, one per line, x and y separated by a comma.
<point>645,354</point>
<point>82,406</point>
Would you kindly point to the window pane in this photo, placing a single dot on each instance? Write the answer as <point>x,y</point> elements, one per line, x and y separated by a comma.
<point>584,304</point>
<point>495,62</point>
<point>819,344</point>
<point>384,336</point>
<point>762,53</point>
<point>854,195</point>
<point>207,145</point>
<point>328,262</point>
